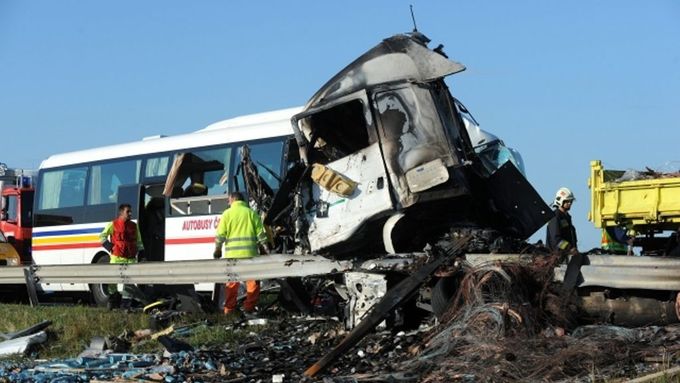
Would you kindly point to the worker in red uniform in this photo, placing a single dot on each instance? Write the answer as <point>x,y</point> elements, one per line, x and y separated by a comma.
<point>122,239</point>
<point>240,231</point>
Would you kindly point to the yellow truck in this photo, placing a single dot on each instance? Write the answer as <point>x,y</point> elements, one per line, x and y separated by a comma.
<point>645,204</point>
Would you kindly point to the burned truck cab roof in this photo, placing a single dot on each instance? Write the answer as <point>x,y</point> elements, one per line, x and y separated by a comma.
<point>396,59</point>
<point>379,138</point>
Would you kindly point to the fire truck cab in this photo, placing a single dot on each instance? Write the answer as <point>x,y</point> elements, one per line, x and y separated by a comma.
<point>16,209</point>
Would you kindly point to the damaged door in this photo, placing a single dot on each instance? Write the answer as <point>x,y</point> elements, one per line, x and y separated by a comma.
<point>348,184</point>
<point>415,145</point>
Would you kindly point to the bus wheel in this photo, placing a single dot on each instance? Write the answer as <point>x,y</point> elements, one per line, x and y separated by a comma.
<point>99,291</point>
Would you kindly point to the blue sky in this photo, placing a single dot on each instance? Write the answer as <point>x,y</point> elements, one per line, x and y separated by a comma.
<point>563,82</point>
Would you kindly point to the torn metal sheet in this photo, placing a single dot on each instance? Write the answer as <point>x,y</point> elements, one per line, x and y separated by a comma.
<point>21,344</point>
<point>521,209</point>
<point>365,290</point>
<point>27,331</point>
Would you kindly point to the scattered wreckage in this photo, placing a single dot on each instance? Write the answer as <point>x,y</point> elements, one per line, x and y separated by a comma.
<point>508,322</point>
<point>384,163</point>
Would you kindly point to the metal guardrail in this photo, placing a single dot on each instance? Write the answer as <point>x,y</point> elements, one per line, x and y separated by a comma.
<point>179,272</point>
<point>614,271</point>
<point>625,272</point>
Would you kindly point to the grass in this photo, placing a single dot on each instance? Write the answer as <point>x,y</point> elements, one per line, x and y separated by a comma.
<point>74,326</point>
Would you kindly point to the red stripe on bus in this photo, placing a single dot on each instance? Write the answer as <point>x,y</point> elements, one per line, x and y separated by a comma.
<point>67,246</point>
<point>188,241</point>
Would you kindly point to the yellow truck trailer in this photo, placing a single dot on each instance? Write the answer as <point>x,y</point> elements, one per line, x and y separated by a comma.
<point>646,205</point>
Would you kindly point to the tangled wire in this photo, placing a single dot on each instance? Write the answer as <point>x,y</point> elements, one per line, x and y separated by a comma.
<point>507,323</point>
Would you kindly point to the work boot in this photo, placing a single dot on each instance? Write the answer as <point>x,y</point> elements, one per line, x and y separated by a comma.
<point>114,301</point>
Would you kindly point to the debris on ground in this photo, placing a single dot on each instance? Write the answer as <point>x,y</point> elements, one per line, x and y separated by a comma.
<point>507,322</point>
<point>27,331</point>
<point>20,342</point>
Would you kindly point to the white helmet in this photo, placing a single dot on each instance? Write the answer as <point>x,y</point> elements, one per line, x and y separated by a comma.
<point>562,195</point>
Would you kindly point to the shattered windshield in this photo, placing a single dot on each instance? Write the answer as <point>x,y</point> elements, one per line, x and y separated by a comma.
<point>490,149</point>
<point>494,154</point>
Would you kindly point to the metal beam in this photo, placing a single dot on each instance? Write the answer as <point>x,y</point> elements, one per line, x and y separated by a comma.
<point>180,272</point>
<point>615,271</point>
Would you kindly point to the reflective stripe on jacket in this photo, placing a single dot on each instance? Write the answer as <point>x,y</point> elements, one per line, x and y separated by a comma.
<point>240,229</point>
<point>611,244</point>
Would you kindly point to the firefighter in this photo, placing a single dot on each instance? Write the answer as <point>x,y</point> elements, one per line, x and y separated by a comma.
<point>241,231</point>
<point>122,239</point>
<point>561,234</point>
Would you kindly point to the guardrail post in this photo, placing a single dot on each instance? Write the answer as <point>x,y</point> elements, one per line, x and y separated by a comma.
<point>30,278</point>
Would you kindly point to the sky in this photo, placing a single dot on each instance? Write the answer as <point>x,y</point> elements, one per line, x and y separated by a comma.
<point>562,82</point>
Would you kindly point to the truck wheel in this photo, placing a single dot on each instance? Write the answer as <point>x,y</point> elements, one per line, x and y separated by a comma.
<point>99,292</point>
<point>443,293</point>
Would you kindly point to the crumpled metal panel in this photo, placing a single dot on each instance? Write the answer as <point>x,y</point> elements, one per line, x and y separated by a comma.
<point>365,290</point>
<point>399,57</point>
<point>521,210</point>
<point>182,272</point>
<point>21,344</point>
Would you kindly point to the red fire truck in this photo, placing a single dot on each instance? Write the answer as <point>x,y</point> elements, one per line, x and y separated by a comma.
<point>16,209</point>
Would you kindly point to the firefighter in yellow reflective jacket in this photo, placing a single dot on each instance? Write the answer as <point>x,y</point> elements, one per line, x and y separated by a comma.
<point>561,234</point>
<point>240,230</point>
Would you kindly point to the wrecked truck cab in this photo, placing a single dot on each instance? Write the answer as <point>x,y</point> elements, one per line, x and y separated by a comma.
<point>386,154</point>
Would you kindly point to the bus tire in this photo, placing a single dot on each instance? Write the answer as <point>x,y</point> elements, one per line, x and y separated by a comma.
<point>99,294</point>
<point>442,295</point>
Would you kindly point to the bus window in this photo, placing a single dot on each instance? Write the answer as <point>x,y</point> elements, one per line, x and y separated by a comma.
<point>105,179</point>
<point>200,173</point>
<point>267,156</point>
<point>212,169</point>
<point>62,188</point>
<point>156,166</point>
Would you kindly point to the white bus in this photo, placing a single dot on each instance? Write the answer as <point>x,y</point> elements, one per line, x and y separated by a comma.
<point>79,192</point>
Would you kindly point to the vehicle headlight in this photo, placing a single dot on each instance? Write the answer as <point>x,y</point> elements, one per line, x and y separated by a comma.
<point>12,261</point>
